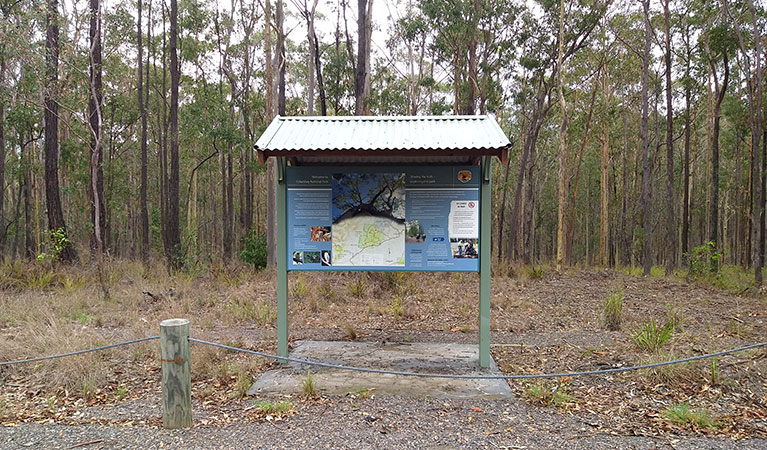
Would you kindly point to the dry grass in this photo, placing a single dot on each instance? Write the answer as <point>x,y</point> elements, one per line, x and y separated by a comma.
<point>46,310</point>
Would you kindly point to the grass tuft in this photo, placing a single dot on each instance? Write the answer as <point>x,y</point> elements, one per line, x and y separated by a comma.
<point>309,387</point>
<point>268,407</point>
<point>651,337</point>
<point>549,394</point>
<point>612,311</point>
<point>670,374</point>
<point>298,288</point>
<point>357,286</point>
<point>682,414</point>
<point>349,331</point>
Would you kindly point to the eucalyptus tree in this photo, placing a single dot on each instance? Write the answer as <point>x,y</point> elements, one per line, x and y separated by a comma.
<point>753,76</point>
<point>671,230</point>
<point>173,250</point>
<point>142,91</point>
<point>56,222</point>
<point>718,44</point>
<point>362,74</point>
<point>542,61</point>
<point>646,198</point>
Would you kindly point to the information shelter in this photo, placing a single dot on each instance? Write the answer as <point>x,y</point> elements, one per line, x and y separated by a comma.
<point>395,193</point>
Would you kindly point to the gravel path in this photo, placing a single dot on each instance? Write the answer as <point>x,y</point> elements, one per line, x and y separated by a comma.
<point>356,423</point>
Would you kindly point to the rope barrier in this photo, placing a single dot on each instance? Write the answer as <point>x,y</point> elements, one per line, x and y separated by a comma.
<point>399,372</point>
<point>79,352</point>
<point>478,377</point>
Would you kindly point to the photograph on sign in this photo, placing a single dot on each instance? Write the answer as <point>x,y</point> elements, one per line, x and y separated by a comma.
<point>368,219</point>
<point>418,218</point>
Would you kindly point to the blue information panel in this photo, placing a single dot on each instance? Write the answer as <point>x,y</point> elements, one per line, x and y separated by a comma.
<point>419,218</point>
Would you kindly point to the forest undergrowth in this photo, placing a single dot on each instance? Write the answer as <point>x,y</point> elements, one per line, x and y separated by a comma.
<point>542,321</point>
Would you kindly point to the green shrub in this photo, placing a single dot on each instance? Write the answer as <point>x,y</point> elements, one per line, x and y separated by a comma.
<point>703,260</point>
<point>612,311</point>
<point>651,337</point>
<point>56,241</point>
<point>254,249</point>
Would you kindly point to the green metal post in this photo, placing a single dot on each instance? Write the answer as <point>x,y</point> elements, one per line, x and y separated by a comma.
<point>485,208</point>
<point>282,260</point>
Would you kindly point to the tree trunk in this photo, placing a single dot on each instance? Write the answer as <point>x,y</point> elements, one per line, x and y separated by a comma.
<point>162,131</point>
<point>537,117</point>
<point>95,108</point>
<point>30,243</point>
<point>52,196</point>
<point>714,218</point>
<point>226,217</point>
<point>173,250</point>
<point>646,163</point>
<point>562,189</point>
<point>142,104</point>
<point>361,79</point>
<point>502,209</point>
<point>571,224</point>
<point>282,60</point>
<point>686,191</point>
<point>528,210</point>
<point>320,84</point>
<point>96,119</point>
<point>2,157</point>
<point>756,131</point>
<point>670,203</point>
<point>603,172</point>
<point>311,66</point>
<point>625,251</point>
<point>271,218</point>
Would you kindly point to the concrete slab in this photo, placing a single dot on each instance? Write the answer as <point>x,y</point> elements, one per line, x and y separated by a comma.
<point>456,359</point>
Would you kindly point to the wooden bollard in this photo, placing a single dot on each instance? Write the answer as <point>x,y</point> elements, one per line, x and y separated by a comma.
<point>176,374</point>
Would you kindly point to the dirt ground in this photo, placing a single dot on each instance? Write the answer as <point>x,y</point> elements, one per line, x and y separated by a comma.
<point>541,322</point>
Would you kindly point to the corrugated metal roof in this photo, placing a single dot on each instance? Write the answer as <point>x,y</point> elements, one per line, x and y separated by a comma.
<point>309,136</point>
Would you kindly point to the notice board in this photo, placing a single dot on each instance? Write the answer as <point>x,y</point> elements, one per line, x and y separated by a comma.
<point>395,218</point>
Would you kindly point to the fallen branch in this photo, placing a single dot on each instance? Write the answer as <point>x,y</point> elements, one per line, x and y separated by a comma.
<point>83,444</point>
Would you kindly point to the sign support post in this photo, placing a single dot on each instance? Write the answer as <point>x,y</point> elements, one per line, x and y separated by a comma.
<point>485,256</point>
<point>282,260</point>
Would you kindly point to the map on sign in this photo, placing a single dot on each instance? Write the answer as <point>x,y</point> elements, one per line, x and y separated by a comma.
<point>368,219</point>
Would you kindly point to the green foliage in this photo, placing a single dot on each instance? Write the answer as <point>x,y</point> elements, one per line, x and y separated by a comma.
<point>612,311</point>
<point>122,391</point>
<point>254,249</point>
<point>703,261</point>
<point>397,306</point>
<point>549,394</point>
<point>682,414</point>
<point>651,337</point>
<point>55,241</point>
<point>715,375</point>
<point>275,408</point>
